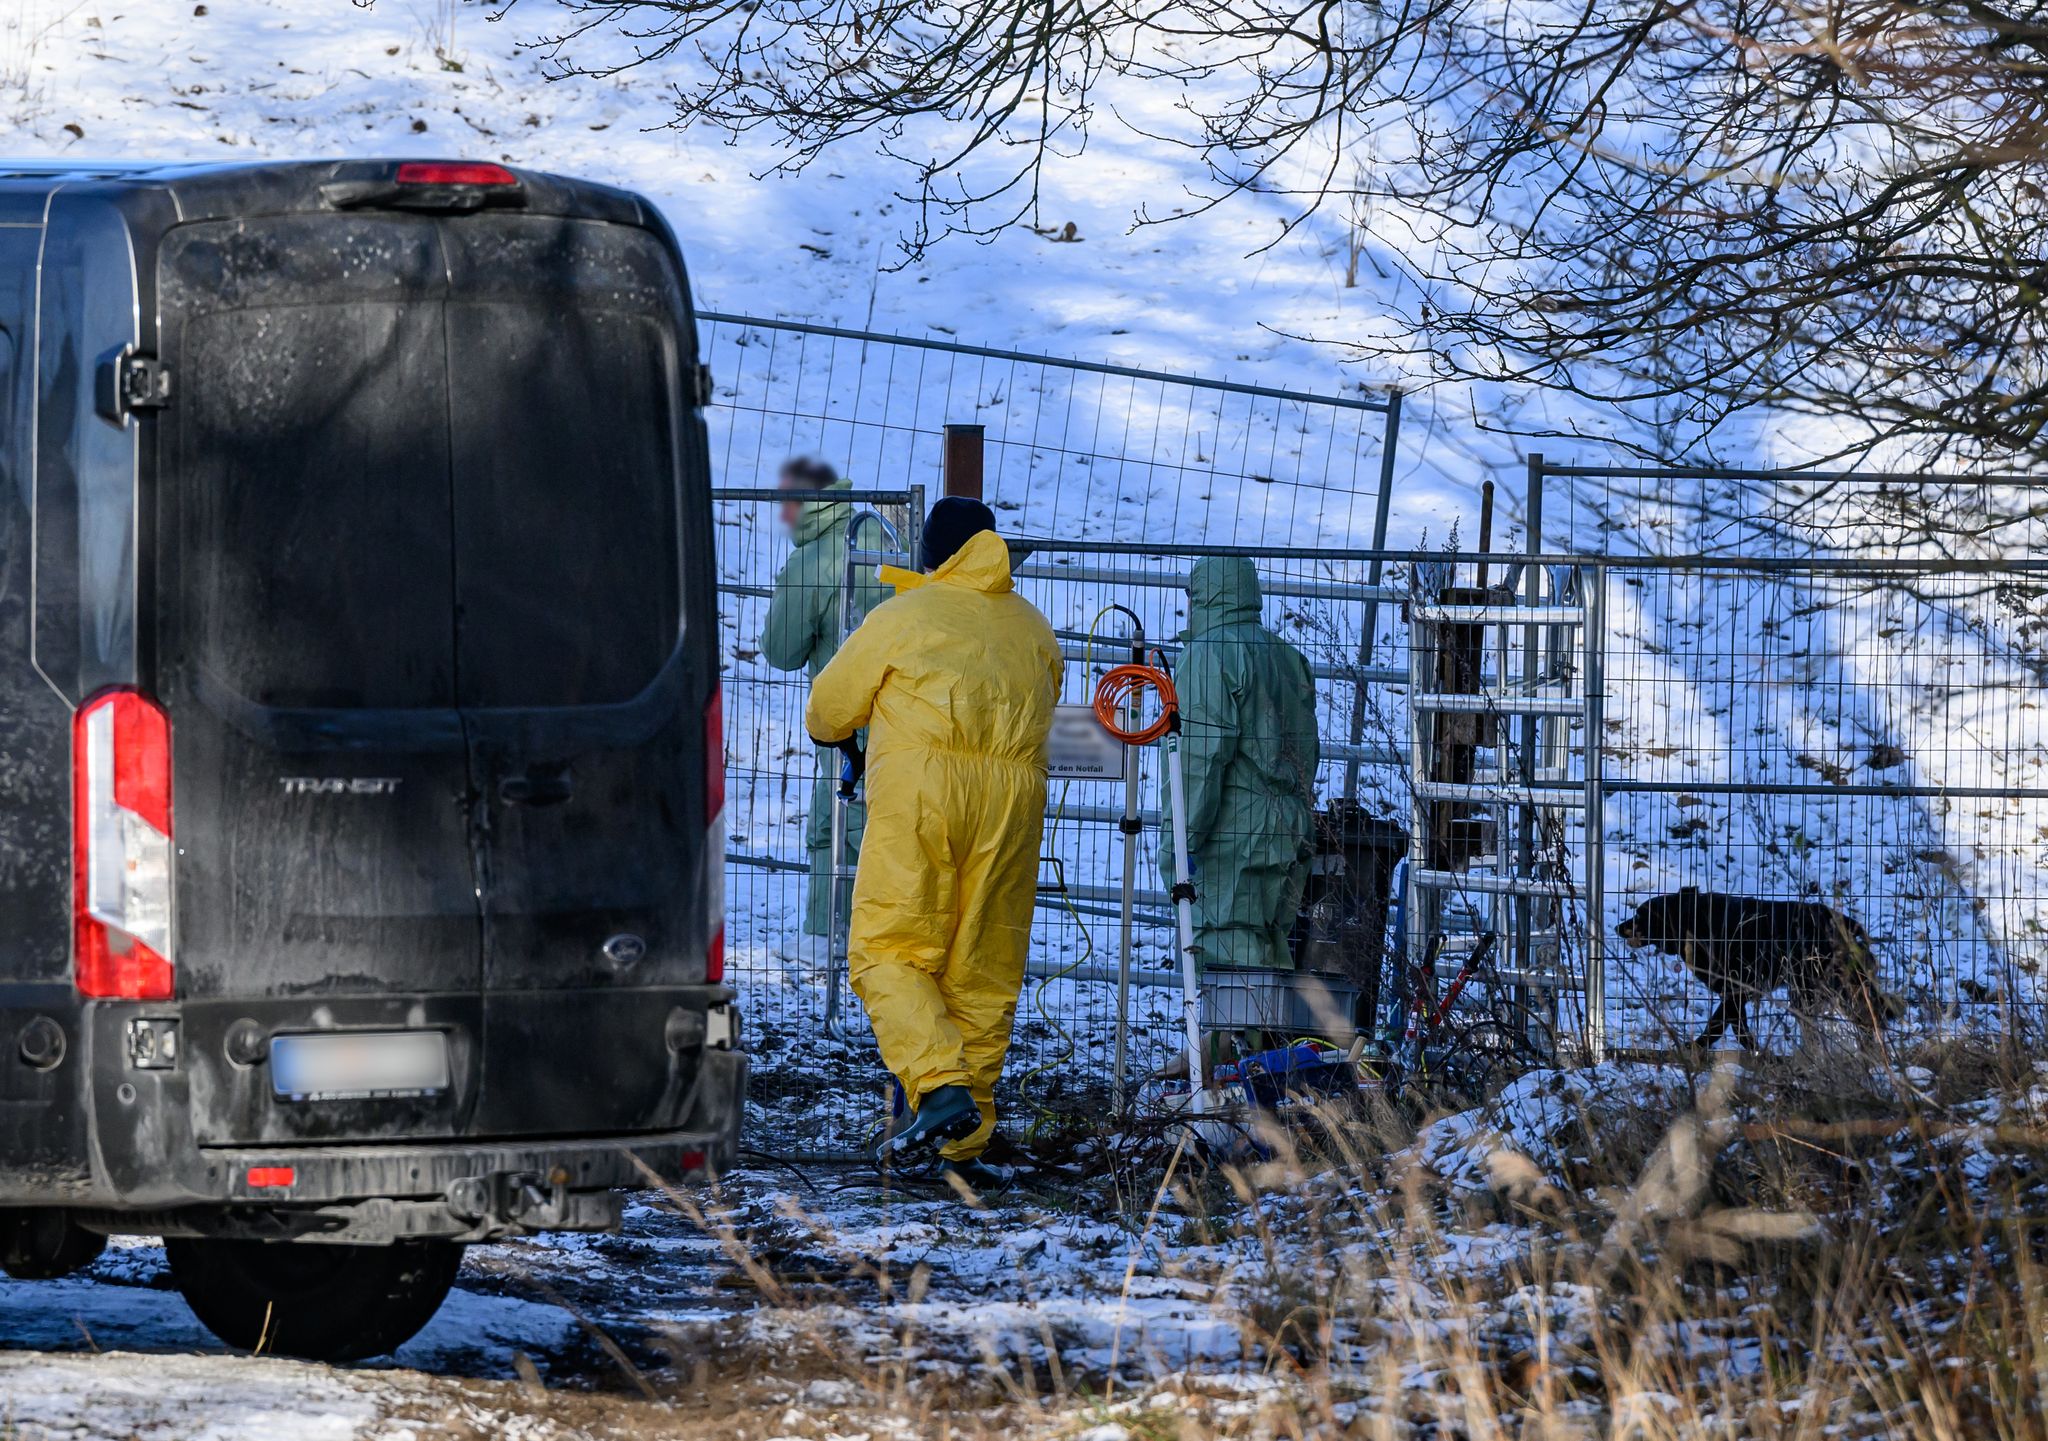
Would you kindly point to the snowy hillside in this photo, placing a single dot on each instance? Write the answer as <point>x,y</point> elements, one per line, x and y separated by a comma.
<point>241,79</point>
<point>1228,291</point>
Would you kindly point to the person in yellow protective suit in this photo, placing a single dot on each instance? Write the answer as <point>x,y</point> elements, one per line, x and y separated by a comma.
<point>955,679</point>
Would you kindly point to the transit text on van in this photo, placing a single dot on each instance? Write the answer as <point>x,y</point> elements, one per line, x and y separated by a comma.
<point>340,785</point>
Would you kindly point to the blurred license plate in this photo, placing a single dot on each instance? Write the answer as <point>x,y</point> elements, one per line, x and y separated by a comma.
<point>353,1065</point>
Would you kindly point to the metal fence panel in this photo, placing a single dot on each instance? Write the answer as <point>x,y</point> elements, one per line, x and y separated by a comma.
<point>820,1093</point>
<point>1075,449</point>
<point>1866,735</point>
<point>1079,450</point>
<point>1762,719</point>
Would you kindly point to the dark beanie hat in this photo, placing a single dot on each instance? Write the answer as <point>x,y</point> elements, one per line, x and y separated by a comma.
<point>953,522</point>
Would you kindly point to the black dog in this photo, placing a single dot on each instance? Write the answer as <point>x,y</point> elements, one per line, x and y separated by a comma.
<point>1742,948</point>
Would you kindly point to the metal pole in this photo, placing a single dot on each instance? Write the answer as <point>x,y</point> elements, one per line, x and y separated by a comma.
<point>1381,508</point>
<point>774,495</point>
<point>1594,578</point>
<point>1183,894</point>
<point>1504,911</point>
<point>1525,838</point>
<point>838,927</point>
<point>1420,921</point>
<point>839,924</point>
<point>850,587</point>
<point>963,460</point>
<point>1130,824</point>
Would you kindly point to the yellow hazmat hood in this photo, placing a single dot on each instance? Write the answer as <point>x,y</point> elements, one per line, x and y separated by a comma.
<point>982,564</point>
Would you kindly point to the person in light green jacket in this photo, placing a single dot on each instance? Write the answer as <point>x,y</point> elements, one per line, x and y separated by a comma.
<point>803,633</point>
<point>1249,753</point>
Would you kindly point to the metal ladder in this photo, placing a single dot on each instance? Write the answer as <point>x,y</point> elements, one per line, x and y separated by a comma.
<point>1505,721</point>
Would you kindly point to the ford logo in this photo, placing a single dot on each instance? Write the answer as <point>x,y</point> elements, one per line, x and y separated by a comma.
<point>623,952</point>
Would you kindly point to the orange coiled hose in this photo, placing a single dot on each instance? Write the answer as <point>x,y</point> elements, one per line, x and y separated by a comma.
<point>1126,683</point>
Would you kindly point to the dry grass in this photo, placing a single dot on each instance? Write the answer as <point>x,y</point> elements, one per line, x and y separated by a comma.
<point>1808,1251</point>
<point>1820,1248</point>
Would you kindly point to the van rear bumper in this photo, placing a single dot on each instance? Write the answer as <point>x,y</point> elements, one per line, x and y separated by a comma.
<point>457,1190</point>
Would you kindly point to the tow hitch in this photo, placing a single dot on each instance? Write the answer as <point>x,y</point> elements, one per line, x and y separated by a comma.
<point>530,1201</point>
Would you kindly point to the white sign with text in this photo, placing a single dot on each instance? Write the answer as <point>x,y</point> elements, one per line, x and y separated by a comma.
<point>1079,749</point>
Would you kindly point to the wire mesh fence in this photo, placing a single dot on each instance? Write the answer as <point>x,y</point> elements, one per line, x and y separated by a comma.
<point>1124,458</point>
<point>1098,987</point>
<point>1863,739</point>
<point>1846,762</point>
<point>1823,778</point>
<point>1075,448</point>
<point>1817,806</point>
<point>1845,752</point>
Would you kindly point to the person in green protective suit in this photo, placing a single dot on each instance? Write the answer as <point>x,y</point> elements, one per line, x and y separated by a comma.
<point>1248,755</point>
<point>803,633</point>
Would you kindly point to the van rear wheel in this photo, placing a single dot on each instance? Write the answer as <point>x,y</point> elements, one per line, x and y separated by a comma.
<point>312,1300</point>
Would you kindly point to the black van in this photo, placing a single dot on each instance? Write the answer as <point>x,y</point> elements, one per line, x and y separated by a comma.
<point>361,784</point>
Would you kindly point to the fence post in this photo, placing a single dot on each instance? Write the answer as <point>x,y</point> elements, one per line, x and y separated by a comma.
<point>963,460</point>
<point>1595,579</point>
<point>1373,571</point>
<point>1419,922</point>
<point>839,914</point>
<point>1525,815</point>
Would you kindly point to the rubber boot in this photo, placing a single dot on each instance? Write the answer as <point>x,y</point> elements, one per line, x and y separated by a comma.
<point>947,1114</point>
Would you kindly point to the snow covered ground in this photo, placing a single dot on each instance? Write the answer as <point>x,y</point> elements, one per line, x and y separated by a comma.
<point>814,1302</point>
<point>789,1290</point>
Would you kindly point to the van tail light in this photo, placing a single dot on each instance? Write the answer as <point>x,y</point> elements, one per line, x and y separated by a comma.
<point>714,757</point>
<point>451,187</point>
<point>453,172</point>
<point>121,847</point>
<point>714,834</point>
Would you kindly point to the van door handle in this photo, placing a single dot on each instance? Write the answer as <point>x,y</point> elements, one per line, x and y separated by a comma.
<point>541,785</point>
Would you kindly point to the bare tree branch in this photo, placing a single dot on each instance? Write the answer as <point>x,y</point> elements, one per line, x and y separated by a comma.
<point>1692,211</point>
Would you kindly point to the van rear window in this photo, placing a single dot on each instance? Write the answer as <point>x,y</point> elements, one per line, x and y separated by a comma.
<point>313,473</point>
<point>565,503</point>
<point>401,493</point>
